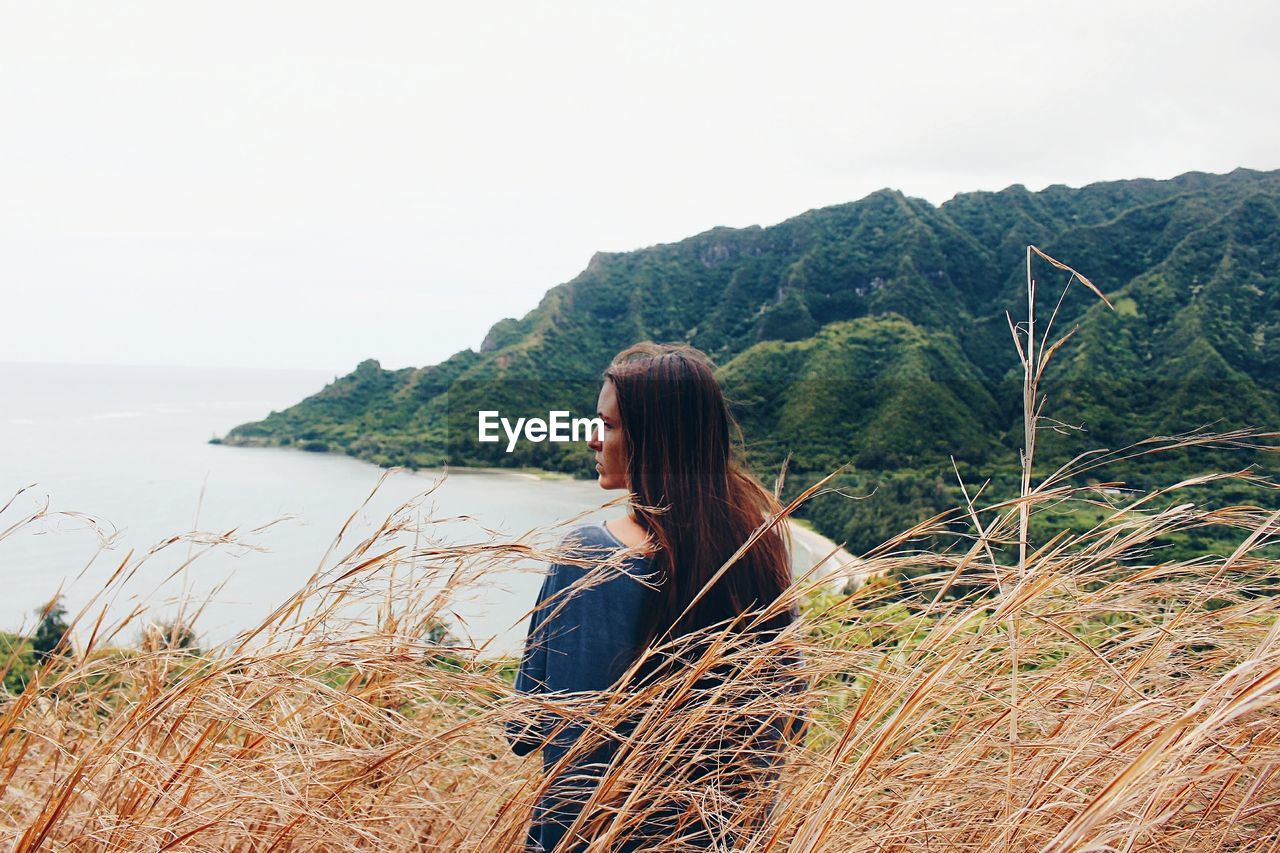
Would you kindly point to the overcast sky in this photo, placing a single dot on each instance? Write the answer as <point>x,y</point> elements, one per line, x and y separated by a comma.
<point>309,184</point>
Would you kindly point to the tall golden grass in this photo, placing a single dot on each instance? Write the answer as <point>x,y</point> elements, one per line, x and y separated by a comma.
<point>1077,693</point>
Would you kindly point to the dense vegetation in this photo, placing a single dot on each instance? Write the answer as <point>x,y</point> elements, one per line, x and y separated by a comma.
<point>1101,698</point>
<point>874,334</point>
<point>1051,679</point>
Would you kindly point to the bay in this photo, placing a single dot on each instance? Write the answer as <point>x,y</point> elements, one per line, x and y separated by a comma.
<point>126,447</point>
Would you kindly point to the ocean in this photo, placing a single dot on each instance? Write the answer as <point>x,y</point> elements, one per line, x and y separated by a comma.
<point>122,452</point>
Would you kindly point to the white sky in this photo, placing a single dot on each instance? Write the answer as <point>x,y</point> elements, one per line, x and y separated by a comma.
<point>309,184</point>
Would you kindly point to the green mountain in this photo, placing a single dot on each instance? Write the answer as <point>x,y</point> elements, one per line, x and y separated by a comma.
<point>874,334</point>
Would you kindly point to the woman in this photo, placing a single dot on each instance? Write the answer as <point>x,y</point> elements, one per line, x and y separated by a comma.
<point>693,506</point>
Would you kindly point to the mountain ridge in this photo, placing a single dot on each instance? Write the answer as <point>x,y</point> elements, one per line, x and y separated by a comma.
<point>918,289</point>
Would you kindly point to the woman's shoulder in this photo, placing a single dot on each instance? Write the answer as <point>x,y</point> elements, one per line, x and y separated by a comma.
<point>596,539</point>
<point>593,543</point>
<point>589,539</point>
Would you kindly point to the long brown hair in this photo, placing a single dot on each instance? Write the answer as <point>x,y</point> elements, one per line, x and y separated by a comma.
<point>693,494</point>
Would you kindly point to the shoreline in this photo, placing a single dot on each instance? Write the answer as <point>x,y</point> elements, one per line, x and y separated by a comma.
<point>839,567</point>
<point>836,570</point>
<point>540,474</point>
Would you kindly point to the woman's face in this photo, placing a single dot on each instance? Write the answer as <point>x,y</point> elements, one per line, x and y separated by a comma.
<point>611,453</point>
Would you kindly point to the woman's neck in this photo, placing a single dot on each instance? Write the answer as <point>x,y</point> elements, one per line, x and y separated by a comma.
<point>629,531</point>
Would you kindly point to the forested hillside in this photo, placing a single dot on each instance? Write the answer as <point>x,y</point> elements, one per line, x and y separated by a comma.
<point>874,333</point>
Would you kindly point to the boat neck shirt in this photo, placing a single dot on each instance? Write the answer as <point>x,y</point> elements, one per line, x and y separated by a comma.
<point>584,640</point>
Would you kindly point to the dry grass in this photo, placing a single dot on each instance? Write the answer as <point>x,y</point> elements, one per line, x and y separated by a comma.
<point>1096,697</point>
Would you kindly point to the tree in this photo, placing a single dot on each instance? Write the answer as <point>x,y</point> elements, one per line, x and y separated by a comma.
<point>15,654</point>
<point>53,628</point>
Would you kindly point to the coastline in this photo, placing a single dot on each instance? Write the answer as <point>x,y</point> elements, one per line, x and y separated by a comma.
<point>837,567</point>
<point>523,473</point>
<point>837,564</point>
<point>831,560</point>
